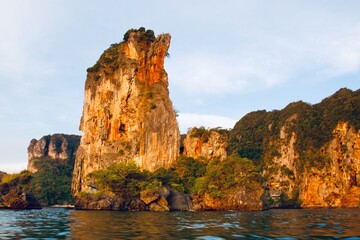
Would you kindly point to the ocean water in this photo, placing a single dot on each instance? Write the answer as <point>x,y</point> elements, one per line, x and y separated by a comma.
<point>51,223</point>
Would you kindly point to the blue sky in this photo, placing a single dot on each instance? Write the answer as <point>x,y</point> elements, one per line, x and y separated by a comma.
<point>228,58</point>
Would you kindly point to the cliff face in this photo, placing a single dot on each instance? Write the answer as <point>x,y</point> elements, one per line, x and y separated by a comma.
<point>333,182</point>
<point>210,144</point>
<point>309,153</point>
<point>337,183</point>
<point>57,146</point>
<point>51,163</point>
<point>280,168</point>
<point>236,199</point>
<point>127,114</point>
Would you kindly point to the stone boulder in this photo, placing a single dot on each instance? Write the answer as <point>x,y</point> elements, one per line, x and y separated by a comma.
<point>17,199</point>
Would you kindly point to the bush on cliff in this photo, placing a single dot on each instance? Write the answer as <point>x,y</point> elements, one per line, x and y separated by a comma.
<point>145,35</point>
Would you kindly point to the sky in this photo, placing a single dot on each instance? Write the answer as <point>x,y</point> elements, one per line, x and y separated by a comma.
<point>228,58</point>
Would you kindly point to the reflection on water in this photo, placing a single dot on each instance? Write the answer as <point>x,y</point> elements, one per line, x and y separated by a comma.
<point>274,224</point>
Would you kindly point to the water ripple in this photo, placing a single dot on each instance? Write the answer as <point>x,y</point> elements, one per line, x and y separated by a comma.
<point>275,224</point>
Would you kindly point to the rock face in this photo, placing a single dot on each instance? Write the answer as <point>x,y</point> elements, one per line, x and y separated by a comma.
<point>334,183</point>
<point>337,184</point>
<point>310,154</point>
<point>127,114</point>
<point>57,146</point>
<point>159,200</point>
<point>210,144</point>
<point>15,199</point>
<point>235,200</point>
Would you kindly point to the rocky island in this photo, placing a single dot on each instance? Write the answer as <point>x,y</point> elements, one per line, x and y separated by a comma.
<point>47,180</point>
<point>131,155</point>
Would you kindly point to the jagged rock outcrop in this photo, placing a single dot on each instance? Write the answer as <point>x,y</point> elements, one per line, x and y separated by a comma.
<point>210,144</point>
<point>57,146</point>
<point>127,114</point>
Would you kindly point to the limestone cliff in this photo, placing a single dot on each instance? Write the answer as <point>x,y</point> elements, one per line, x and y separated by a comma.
<point>336,184</point>
<point>57,146</point>
<point>210,144</point>
<point>309,154</point>
<point>127,113</point>
<point>333,182</point>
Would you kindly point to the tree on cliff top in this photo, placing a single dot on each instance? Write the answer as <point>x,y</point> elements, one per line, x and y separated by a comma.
<point>146,35</point>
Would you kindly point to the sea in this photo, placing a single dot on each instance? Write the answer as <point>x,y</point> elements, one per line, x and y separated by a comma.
<point>57,223</point>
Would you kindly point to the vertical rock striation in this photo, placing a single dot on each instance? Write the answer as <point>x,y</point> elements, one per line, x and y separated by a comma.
<point>57,146</point>
<point>309,154</point>
<point>337,184</point>
<point>210,144</point>
<point>127,113</point>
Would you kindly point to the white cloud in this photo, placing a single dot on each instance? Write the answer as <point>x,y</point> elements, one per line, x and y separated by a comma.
<point>188,120</point>
<point>293,42</point>
<point>269,62</point>
<point>24,68</point>
<point>219,51</point>
<point>214,74</point>
<point>342,54</point>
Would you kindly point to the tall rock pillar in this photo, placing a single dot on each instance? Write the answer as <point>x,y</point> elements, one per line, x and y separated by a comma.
<point>127,114</point>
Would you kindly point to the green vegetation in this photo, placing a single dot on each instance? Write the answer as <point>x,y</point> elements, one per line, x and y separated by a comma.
<point>121,178</point>
<point>188,175</point>
<point>200,132</point>
<point>254,135</point>
<point>153,105</point>
<point>51,184</point>
<point>128,179</point>
<point>110,57</point>
<point>149,94</point>
<point>17,180</point>
<point>204,133</point>
<point>221,176</point>
<point>247,137</point>
<point>144,35</point>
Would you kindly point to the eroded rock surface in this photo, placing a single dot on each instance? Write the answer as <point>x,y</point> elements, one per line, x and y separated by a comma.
<point>56,146</point>
<point>127,114</point>
<point>209,144</point>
